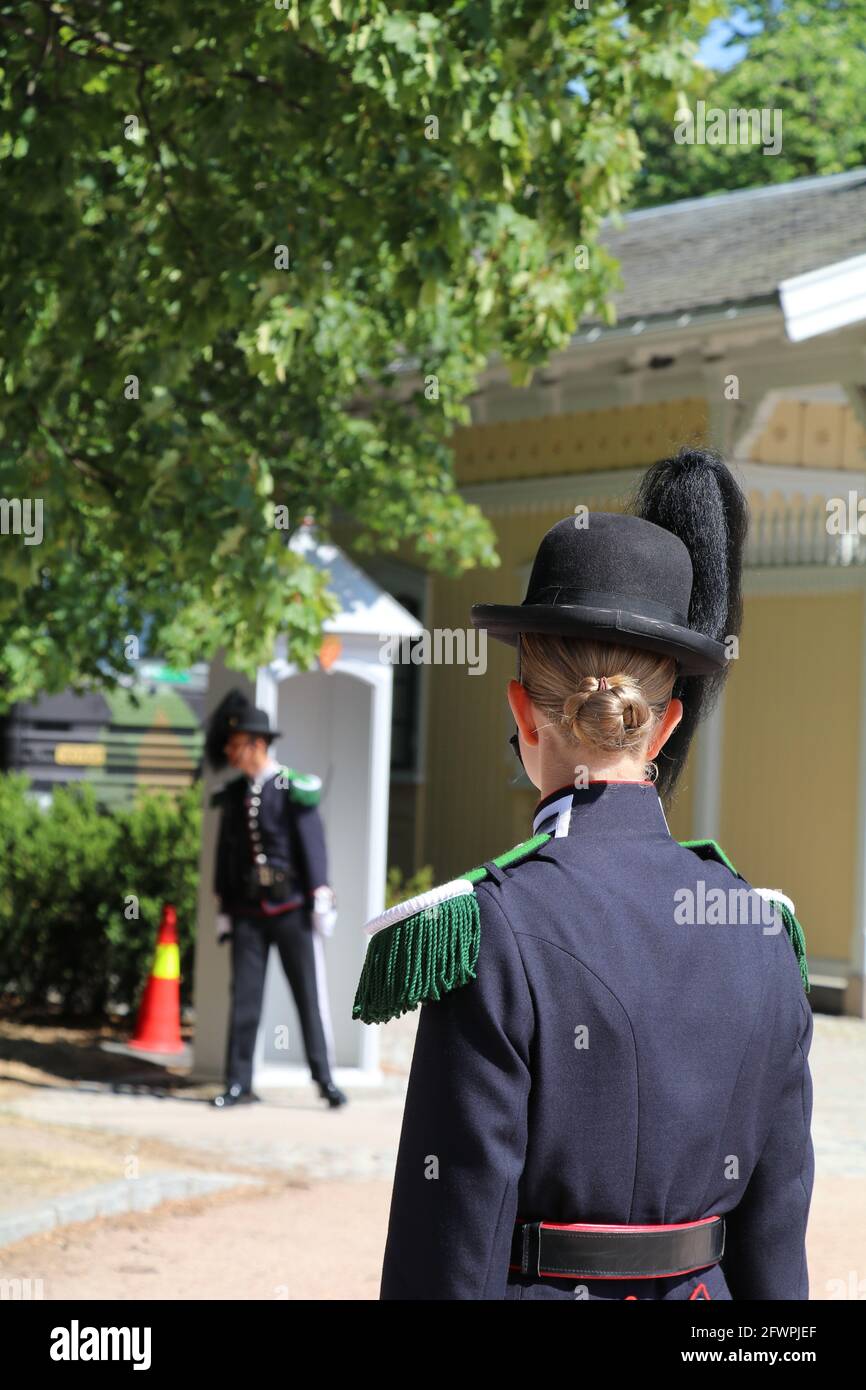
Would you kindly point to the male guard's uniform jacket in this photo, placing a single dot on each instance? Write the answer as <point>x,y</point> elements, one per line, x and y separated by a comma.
<point>271,823</point>
<point>610,1061</point>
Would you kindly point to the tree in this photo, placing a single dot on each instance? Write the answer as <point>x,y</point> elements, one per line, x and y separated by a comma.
<point>805,60</point>
<point>253,260</point>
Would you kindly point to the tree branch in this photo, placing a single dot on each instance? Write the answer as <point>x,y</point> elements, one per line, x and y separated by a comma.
<point>106,480</point>
<point>155,137</point>
<point>102,39</point>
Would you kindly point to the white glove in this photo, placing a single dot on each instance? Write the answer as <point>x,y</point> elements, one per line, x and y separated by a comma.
<point>223,927</point>
<point>324,911</point>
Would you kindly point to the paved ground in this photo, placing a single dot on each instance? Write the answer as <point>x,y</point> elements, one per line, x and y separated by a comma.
<point>310,1220</point>
<point>295,1241</point>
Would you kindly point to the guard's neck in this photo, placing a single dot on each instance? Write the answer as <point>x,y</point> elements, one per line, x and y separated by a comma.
<point>559,776</point>
<point>265,768</point>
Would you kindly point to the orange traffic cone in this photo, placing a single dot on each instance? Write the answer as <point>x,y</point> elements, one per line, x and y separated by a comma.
<point>158,1027</point>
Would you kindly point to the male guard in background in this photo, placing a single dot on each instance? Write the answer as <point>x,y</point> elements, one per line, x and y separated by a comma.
<point>271,879</point>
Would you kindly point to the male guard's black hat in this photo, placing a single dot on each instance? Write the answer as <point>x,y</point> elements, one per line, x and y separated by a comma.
<point>616,578</point>
<point>235,714</point>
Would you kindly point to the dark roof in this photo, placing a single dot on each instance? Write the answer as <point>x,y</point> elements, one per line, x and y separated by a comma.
<point>734,248</point>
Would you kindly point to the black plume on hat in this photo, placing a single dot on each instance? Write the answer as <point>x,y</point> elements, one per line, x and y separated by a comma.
<point>695,496</point>
<point>235,714</point>
<point>233,705</point>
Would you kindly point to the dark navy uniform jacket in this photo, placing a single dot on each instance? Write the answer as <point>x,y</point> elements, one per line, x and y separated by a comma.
<point>263,818</point>
<point>688,1095</point>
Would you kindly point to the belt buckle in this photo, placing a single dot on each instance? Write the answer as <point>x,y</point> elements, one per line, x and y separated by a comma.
<point>266,875</point>
<point>530,1248</point>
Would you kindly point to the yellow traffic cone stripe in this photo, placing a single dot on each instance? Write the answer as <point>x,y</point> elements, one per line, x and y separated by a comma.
<point>166,964</point>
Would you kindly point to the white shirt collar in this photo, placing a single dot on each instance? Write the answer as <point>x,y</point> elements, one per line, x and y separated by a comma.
<point>270,769</point>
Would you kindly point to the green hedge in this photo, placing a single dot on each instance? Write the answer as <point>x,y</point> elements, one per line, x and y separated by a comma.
<point>398,888</point>
<point>65,875</point>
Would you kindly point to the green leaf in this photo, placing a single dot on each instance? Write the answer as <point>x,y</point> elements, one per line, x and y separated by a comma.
<point>502,126</point>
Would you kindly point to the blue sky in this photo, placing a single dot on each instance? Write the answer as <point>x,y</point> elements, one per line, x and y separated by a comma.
<point>711,51</point>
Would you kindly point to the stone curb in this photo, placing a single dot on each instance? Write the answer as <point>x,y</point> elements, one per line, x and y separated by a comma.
<point>113,1199</point>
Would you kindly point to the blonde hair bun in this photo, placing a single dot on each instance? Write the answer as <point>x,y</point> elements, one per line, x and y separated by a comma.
<point>616,716</point>
<point>610,718</point>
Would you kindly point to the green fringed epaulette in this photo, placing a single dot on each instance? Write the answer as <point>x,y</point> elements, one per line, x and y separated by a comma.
<point>426,946</point>
<point>708,849</point>
<point>305,788</point>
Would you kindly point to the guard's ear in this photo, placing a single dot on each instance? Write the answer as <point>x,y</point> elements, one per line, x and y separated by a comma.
<point>669,721</point>
<point>524,711</point>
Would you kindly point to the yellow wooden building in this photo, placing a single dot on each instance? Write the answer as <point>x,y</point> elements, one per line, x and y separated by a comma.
<point>742,324</point>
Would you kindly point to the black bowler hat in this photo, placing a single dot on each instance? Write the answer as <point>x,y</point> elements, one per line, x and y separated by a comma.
<point>235,714</point>
<point>617,579</point>
<point>253,721</point>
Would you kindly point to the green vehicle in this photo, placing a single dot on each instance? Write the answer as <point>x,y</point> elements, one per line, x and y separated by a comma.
<point>144,734</point>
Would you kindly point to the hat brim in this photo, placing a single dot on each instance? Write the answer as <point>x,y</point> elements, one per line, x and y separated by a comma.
<point>695,653</point>
<point>251,729</point>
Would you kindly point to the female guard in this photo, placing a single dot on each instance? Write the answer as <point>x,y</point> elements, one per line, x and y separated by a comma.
<point>609,1095</point>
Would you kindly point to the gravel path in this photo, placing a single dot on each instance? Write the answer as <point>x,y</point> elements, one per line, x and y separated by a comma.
<point>313,1241</point>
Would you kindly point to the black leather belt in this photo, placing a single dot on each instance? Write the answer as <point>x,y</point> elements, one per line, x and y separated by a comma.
<point>607,1251</point>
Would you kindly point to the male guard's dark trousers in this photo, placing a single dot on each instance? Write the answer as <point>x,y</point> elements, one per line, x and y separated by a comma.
<point>292,934</point>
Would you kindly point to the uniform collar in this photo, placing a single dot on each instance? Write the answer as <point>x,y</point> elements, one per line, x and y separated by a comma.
<point>270,769</point>
<point>601,808</point>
